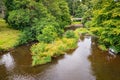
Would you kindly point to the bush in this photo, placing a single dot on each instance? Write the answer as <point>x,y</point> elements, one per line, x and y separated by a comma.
<point>42,52</point>
<point>19,19</point>
<point>106,25</point>
<point>48,34</point>
<point>40,60</point>
<point>70,34</point>
<point>39,56</point>
<point>26,36</point>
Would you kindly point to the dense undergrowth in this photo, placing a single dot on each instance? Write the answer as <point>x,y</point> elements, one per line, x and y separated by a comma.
<point>105,24</point>
<point>44,52</point>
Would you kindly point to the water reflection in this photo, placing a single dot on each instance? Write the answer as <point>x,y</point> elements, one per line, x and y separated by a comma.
<point>75,66</point>
<point>8,61</point>
<point>105,66</point>
<point>71,66</point>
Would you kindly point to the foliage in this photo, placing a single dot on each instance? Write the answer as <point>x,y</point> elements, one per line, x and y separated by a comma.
<point>83,31</point>
<point>43,52</point>
<point>106,23</point>
<point>26,36</point>
<point>19,19</point>
<point>59,9</point>
<point>73,6</point>
<point>80,11</point>
<point>35,17</point>
<point>24,13</point>
<point>80,8</point>
<point>87,16</point>
<point>48,34</point>
<point>69,34</point>
<point>43,23</point>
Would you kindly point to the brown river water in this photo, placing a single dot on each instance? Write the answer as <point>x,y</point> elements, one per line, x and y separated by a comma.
<point>86,62</point>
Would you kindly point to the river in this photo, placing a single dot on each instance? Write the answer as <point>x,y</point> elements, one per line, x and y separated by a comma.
<point>86,62</point>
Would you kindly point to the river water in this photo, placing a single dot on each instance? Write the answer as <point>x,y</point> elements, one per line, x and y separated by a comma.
<point>86,62</point>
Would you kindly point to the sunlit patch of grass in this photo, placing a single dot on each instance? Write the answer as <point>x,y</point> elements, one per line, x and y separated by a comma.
<point>8,37</point>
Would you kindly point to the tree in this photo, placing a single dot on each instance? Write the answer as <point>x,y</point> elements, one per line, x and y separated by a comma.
<point>2,9</point>
<point>106,25</point>
<point>73,6</point>
<point>35,15</point>
<point>80,11</point>
<point>59,9</point>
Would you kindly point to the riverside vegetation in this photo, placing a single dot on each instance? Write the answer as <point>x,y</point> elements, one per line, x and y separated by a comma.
<point>44,21</point>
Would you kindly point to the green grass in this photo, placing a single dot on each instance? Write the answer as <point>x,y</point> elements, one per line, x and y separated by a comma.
<point>8,36</point>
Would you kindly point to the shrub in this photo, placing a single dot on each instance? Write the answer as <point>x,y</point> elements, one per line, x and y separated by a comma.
<point>39,55</point>
<point>105,24</point>
<point>40,60</point>
<point>19,19</point>
<point>26,36</point>
<point>38,48</point>
<point>42,52</point>
<point>48,34</point>
<point>70,34</point>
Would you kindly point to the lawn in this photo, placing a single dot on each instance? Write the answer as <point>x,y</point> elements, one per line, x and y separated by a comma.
<point>8,36</point>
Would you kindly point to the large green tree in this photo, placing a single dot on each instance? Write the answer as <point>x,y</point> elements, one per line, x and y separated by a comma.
<point>32,16</point>
<point>106,23</point>
<point>59,9</point>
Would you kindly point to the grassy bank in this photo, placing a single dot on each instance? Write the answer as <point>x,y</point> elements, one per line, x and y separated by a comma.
<point>8,36</point>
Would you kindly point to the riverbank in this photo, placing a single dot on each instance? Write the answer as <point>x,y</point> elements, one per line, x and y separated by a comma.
<point>43,53</point>
<point>8,36</point>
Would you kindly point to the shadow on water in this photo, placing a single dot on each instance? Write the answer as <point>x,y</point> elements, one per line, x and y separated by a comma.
<point>104,65</point>
<point>86,62</point>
